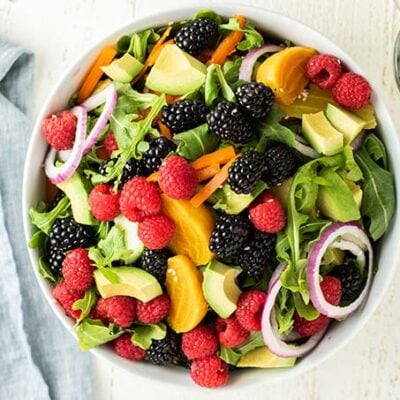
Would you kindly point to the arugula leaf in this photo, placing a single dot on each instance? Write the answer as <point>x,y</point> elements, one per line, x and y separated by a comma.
<point>378,203</point>
<point>38,240</point>
<point>196,142</point>
<point>103,229</point>
<point>354,172</point>
<point>44,220</point>
<point>143,335</point>
<point>306,311</point>
<point>277,133</point>
<point>110,249</point>
<point>233,355</point>
<point>210,14</point>
<point>45,270</point>
<point>85,304</point>
<point>138,43</point>
<point>252,38</point>
<point>231,69</point>
<point>227,92</point>
<point>376,149</point>
<point>284,311</point>
<point>92,333</point>
<point>216,83</point>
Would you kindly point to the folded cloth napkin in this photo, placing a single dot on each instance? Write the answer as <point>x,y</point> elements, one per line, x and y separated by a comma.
<point>39,358</point>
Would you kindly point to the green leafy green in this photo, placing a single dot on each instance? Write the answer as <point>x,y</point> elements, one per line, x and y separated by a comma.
<point>306,311</point>
<point>231,69</point>
<point>44,220</point>
<point>138,44</point>
<point>38,240</point>
<point>378,203</point>
<point>284,311</point>
<point>376,149</point>
<point>252,38</point>
<point>103,229</point>
<point>215,84</point>
<point>196,142</point>
<point>110,249</point>
<point>143,335</point>
<point>354,172</point>
<point>45,271</point>
<point>85,304</point>
<point>92,333</point>
<point>233,355</point>
<point>210,14</point>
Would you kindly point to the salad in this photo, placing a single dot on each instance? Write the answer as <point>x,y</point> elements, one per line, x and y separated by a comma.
<point>214,196</point>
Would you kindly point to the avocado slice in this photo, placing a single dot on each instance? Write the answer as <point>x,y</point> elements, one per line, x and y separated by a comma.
<point>75,188</point>
<point>176,72</point>
<point>281,191</point>
<point>262,357</point>
<point>127,281</point>
<point>233,203</point>
<point>322,136</point>
<point>132,241</point>
<point>349,124</point>
<point>123,69</point>
<point>336,201</point>
<point>220,289</point>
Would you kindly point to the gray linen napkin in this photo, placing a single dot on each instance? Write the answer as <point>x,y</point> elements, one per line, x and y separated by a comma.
<point>39,358</point>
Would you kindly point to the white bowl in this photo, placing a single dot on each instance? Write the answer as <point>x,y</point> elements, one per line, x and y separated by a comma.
<point>388,255</point>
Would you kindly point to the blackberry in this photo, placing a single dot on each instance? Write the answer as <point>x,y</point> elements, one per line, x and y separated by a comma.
<point>230,235</point>
<point>159,148</point>
<point>155,263</point>
<point>182,360</point>
<point>197,35</point>
<point>55,258</point>
<point>246,171</point>
<point>351,279</point>
<point>132,168</point>
<point>164,351</point>
<point>67,234</point>
<point>256,253</point>
<point>227,121</point>
<point>256,98</point>
<point>60,194</point>
<point>184,115</point>
<point>280,163</point>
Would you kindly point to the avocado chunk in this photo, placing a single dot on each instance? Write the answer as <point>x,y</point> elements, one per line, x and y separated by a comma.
<point>233,203</point>
<point>176,72</point>
<point>124,69</point>
<point>127,281</point>
<point>132,241</point>
<point>336,201</point>
<point>349,124</point>
<point>75,188</point>
<point>281,191</point>
<point>220,289</point>
<point>322,136</point>
<point>262,357</point>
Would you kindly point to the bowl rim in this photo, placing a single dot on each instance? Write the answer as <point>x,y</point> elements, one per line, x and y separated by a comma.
<point>147,21</point>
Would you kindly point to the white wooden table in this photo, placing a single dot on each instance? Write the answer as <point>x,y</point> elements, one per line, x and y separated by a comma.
<point>58,31</point>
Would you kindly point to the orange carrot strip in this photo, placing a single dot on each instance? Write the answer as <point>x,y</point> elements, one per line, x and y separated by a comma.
<point>153,177</point>
<point>155,51</point>
<point>207,190</point>
<point>93,77</point>
<point>217,157</point>
<point>170,98</point>
<point>207,172</point>
<point>164,130</point>
<point>228,44</point>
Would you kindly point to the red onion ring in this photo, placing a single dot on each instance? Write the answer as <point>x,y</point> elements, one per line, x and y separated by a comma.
<point>246,68</point>
<point>350,232</point>
<point>270,333</point>
<point>109,97</point>
<point>63,172</point>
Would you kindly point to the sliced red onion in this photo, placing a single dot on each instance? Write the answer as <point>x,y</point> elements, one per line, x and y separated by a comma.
<point>63,155</point>
<point>301,146</point>
<point>349,231</point>
<point>271,336</point>
<point>109,97</point>
<point>246,68</point>
<point>63,172</point>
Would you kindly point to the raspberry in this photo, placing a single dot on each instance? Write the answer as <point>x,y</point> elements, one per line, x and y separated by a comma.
<point>209,371</point>
<point>156,232</point>
<point>230,332</point>
<point>324,70</point>
<point>77,270</point>
<point>199,342</point>
<point>67,297</point>
<point>249,309</point>
<point>267,214</point>
<point>351,91</point>
<point>110,143</point>
<point>121,310</point>
<point>124,347</point>
<point>59,130</point>
<point>332,290</point>
<point>139,199</point>
<point>177,178</point>
<point>154,310</point>
<point>104,203</point>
